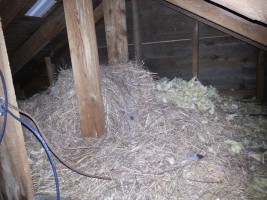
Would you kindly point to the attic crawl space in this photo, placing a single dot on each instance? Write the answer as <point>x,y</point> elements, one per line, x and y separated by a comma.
<point>133,99</point>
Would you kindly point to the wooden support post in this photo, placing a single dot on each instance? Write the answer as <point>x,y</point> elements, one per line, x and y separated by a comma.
<point>15,177</point>
<point>64,45</point>
<point>195,52</point>
<point>116,30</point>
<point>85,64</point>
<point>50,70</point>
<point>260,75</point>
<point>136,31</point>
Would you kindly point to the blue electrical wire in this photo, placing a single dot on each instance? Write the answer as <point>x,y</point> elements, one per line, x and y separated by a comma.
<point>4,107</point>
<point>39,137</point>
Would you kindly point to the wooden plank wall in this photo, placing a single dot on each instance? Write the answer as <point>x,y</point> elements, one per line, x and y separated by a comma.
<point>224,62</point>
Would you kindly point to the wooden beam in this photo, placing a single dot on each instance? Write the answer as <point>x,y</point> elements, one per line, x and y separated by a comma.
<point>63,46</point>
<point>85,64</point>
<point>217,15</point>
<point>212,24</point>
<point>252,9</point>
<point>136,31</point>
<point>50,70</point>
<point>50,29</point>
<point>260,75</point>
<point>116,30</point>
<point>195,52</point>
<point>15,174</point>
<point>11,8</point>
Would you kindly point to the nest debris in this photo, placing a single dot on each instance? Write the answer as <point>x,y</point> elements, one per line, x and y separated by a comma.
<point>151,141</point>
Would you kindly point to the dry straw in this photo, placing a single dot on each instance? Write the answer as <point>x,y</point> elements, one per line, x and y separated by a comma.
<point>147,147</point>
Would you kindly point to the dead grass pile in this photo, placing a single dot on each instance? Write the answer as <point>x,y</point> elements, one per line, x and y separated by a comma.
<point>150,147</point>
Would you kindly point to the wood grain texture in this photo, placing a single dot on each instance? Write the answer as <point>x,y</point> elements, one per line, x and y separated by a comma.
<point>253,9</point>
<point>15,177</point>
<point>85,64</point>
<point>223,18</point>
<point>50,29</point>
<point>116,30</point>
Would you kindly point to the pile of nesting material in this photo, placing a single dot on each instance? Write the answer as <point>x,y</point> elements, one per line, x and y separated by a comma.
<point>153,148</point>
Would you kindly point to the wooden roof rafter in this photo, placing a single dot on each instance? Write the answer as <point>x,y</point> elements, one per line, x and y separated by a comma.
<point>255,10</point>
<point>48,31</point>
<point>252,33</point>
<point>11,8</point>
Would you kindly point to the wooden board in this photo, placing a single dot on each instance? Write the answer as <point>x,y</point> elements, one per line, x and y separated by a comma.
<point>14,168</point>
<point>219,58</point>
<point>253,9</point>
<point>116,30</point>
<point>226,19</point>
<point>212,24</point>
<point>85,64</point>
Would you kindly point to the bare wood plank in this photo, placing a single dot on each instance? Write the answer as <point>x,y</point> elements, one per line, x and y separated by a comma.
<point>50,70</point>
<point>14,168</point>
<point>195,53</point>
<point>260,75</point>
<point>253,9</point>
<point>11,8</point>
<point>50,29</point>
<point>85,65</point>
<point>223,18</point>
<point>116,30</point>
<point>136,31</point>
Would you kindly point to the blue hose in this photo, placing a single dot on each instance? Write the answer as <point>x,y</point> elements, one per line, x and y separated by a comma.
<point>4,110</point>
<point>48,152</point>
<point>4,107</point>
